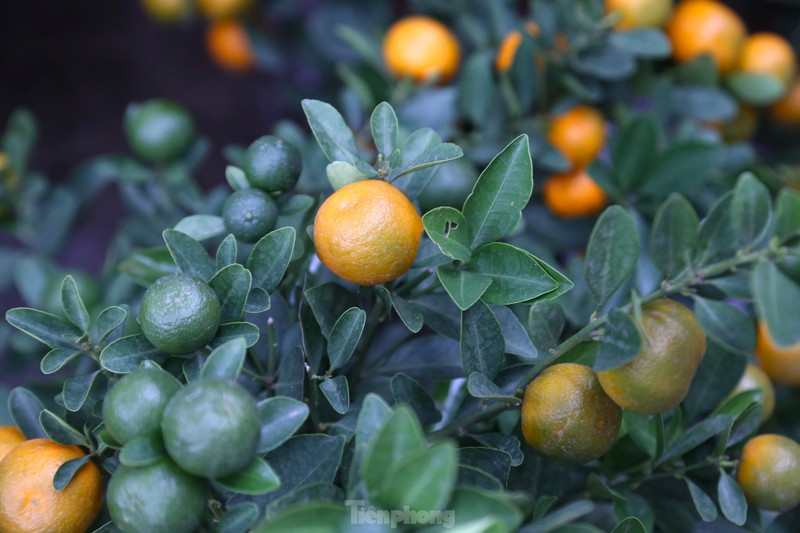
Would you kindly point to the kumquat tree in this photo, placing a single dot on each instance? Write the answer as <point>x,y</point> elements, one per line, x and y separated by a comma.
<point>504,266</point>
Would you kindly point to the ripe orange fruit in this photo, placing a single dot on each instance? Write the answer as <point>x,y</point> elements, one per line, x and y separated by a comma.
<point>367,232</point>
<point>421,48</point>
<point>754,378</point>
<point>579,134</point>
<point>640,13</point>
<point>229,46</point>
<point>223,9</point>
<point>768,53</point>
<point>706,27</point>
<point>567,417</point>
<point>28,501</point>
<point>573,195</point>
<point>658,378</point>
<point>507,51</point>
<point>782,364</point>
<point>167,10</point>
<point>769,472</point>
<point>10,436</point>
<point>786,111</point>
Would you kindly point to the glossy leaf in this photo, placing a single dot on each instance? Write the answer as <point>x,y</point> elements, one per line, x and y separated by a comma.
<point>143,450</point>
<point>25,409</point>
<point>270,257</point>
<point>66,472</point>
<point>545,323</point>
<point>751,209</point>
<point>619,343</point>
<point>465,288</point>
<point>730,327</point>
<point>232,286</point>
<point>305,460</point>
<point>49,329</point>
<point>227,252</point>
<point>674,235</point>
<point>777,300</point>
<point>681,168</point>
<point>731,499</point>
<point>755,89</point>
<point>517,341</point>
<point>280,418</point>
<point>55,359</point>
<point>146,266</point>
<point>716,241</point>
<point>787,218</point>
<point>515,276</point>
<point>76,390</point>
<point>225,361</point>
<point>634,150</point>
<point>482,342</point>
<point>337,392</point>
<point>344,337</point>
<point>59,430</point>
<point>189,255</point>
<point>249,332</point>
<point>503,189</point>
<point>423,480</point>
<point>695,436</point>
<point>705,506</point>
<point>480,386</point>
<point>201,227</point>
<point>108,321</point>
<point>407,390</point>
<point>73,306</point>
<point>237,518</point>
<point>125,354</point>
<point>411,316</point>
<point>612,253</point>
<point>447,227</point>
<point>254,479</point>
<point>331,132</point>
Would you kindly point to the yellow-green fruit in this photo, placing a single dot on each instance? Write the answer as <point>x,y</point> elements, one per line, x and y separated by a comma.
<point>658,378</point>
<point>756,379</point>
<point>567,417</point>
<point>769,472</point>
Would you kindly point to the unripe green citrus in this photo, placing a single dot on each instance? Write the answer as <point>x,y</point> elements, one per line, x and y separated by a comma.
<point>211,428</point>
<point>179,314</point>
<point>159,131</point>
<point>249,214</point>
<point>134,405</point>
<point>272,165</point>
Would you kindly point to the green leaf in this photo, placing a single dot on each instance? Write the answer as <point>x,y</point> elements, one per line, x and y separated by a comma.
<point>436,155</point>
<point>482,343</point>
<point>227,252</point>
<point>258,301</point>
<point>703,103</point>
<point>562,516</point>
<point>634,150</point>
<point>254,479</point>
<point>422,480</point>
<point>331,131</point>
<point>516,277</point>
<point>237,518</point>
<point>695,436</point>
<point>305,460</point>
<point>73,306</point>
<point>642,429</point>
<point>201,227</point>
<point>545,323</point>
<point>681,168</point>
<point>471,504</point>
<point>25,409</point>
<point>702,502</point>
<point>55,359</point>
<point>407,390</point>
<point>476,88</point>
<point>400,436</point>
<point>344,337</point>
<point>408,313</point>
<point>651,43</point>
<point>59,430</point>
<point>674,235</point>
<point>777,300</point>
<point>755,89</point>
<point>383,124</point>
<point>249,332</point>
<point>315,492</point>
<point>612,253</point>
<point>147,266</point>
<point>716,241</point>
<point>751,209</point>
<point>189,255</point>
<point>280,418</point>
<point>76,390</point>
<point>465,288</point>
<point>226,361</point>
<point>109,319</point>
<point>787,219</point>
<point>731,499</point>
<point>49,329</point>
<point>517,341</point>
<point>447,227</point>
<point>270,257</point>
<point>372,416</point>
<point>717,375</point>
<point>619,343</point>
<point>143,450</point>
<point>232,287</point>
<point>337,392</point>
<point>495,205</point>
<point>482,387</point>
<point>125,354</point>
<point>605,62</point>
<point>236,178</point>
<point>322,517</point>
<point>726,325</point>
<point>630,525</point>
<point>328,301</point>
<point>67,471</point>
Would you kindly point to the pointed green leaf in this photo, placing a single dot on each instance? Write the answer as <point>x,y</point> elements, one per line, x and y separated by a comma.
<point>695,436</point>
<point>270,257</point>
<point>777,300</point>
<point>517,341</point>
<point>702,502</point>
<point>249,332</point>
<point>337,392</point>
<point>73,306</point>
<point>787,220</point>
<point>201,227</point>
<point>226,361</point>
<point>232,287</point>
<point>331,132</point>
<point>634,150</point>
<point>447,227</point>
<point>412,317</point>
<point>503,189</point>
<point>383,124</point>
<point>373,415</point>
<point>545,323</point>
<point>674,235</point>
<point>716,241</point>
<point>143,450</point>
<point>59,430</point>
<point>728,326</point>
<point>227,252</point>
<point>280,417</point>
<point>751,209</point>
<point>465,288</point>
<point>67,471</point>
<point>189,255</point>
<point>254,479</point>
<point>731,499</point>
<point>125,354</point>
<point>108,320</point>
<point>482,342</point>
<point>49,329</point>
<point>436,155</point>
<point>515,276</point>
<point>422,480</point>
<point>619,343</point>
<point>612,253</point>
<point>407,390</point>
<point>344,336</point>
<point>482,387</point>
